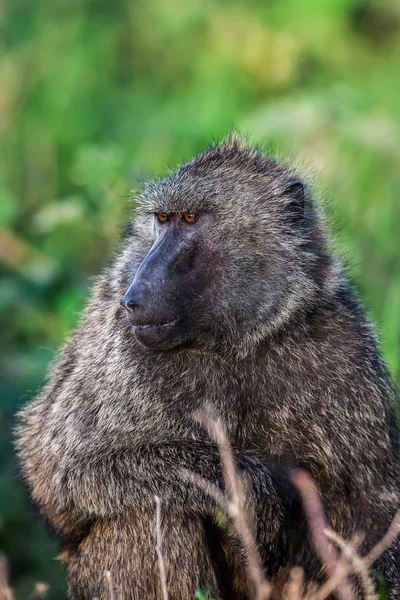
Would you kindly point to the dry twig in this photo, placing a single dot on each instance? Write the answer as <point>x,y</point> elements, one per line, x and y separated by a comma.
<point>358,565</point>
<point>331,584</point>
<point>319,526</point>
<point>233,502</point>
<point>385,542</point>
<point>6,592</point>
<point>160,555</point>
<point>111,589</point>
<point>295,585</point>
<point>39,591</point>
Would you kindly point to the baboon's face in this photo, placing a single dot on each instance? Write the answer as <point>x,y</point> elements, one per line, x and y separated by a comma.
<point>227,263</point>
<point>165,301</point>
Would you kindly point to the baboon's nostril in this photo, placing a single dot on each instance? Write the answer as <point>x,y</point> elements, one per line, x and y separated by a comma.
<point>131,306</point>
<point>132,300</point>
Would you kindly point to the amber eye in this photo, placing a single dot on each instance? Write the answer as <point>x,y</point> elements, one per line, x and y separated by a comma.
<point>189,217</point>
<point>162,217</point>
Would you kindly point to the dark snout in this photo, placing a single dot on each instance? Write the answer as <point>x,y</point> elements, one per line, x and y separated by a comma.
<point>158,298</point>
<point>139,301</point>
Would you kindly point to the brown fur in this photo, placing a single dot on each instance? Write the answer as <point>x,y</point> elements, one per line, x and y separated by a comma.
<point>284,354</point>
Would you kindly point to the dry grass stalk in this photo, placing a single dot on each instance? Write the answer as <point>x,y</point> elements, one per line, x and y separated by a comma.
<point>159,549</point>
<point>350,562</point>
<point>385,542</point>
<point>6,592</point>
<point>341,572</point>
<point>234,503</point>
<point>319,527</point>
<point>39,591</point>
<point>295,586</point>
<point>358,565</point>
<point>330,585</point>
<point>111,589</point>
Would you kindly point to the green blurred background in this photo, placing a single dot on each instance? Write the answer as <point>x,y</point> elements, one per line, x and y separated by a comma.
<point>94,95</point>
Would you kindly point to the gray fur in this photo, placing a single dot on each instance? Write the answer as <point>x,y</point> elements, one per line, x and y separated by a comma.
<point>285,356</point>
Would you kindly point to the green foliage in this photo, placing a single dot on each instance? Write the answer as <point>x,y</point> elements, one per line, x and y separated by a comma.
<point>204,595</point>
<point>383,595</point>
<point>96,94</point>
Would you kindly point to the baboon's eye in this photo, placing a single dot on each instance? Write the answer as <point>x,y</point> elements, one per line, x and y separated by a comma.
<point>189,217</point>
<point>162,217</point>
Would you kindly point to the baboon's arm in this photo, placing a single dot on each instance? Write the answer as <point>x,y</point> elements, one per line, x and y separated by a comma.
<point>75,484</point>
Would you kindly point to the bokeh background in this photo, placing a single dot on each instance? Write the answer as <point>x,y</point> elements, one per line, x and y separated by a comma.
<point>96,94</point>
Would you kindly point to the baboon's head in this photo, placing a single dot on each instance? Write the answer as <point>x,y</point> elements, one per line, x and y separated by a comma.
<point>234,252</point>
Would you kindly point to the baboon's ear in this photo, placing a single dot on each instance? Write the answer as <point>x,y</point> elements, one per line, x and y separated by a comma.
<point>294,194</point>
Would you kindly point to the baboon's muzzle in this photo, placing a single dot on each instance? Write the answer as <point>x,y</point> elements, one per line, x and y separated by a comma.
<point>161,296</point>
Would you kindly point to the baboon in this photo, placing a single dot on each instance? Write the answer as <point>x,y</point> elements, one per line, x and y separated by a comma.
<point>225,295</point>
